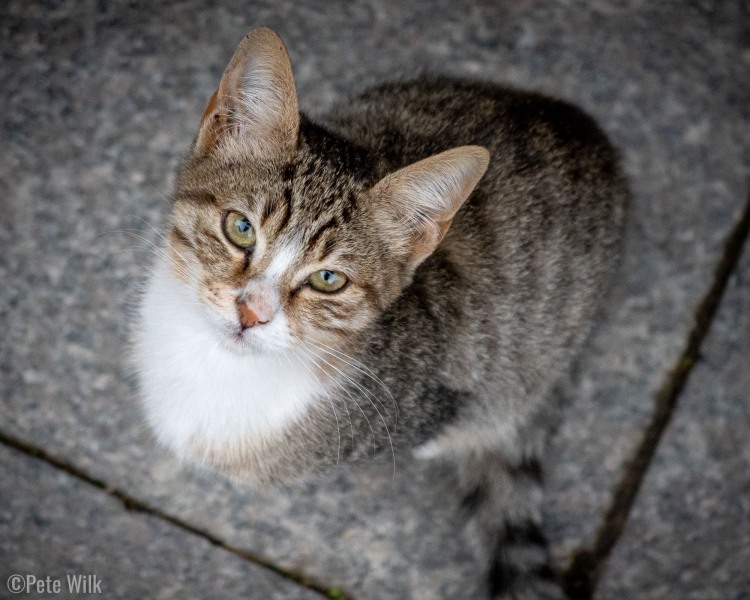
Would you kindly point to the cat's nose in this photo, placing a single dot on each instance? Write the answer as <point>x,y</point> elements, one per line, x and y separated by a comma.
<point>248,317</point>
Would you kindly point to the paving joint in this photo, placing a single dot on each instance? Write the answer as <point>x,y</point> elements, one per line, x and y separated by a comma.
<point>133,504</point>
<point>581,575</point>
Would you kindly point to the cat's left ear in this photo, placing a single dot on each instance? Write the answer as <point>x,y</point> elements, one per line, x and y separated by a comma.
<point>417,203</point>
<point>254,111</point>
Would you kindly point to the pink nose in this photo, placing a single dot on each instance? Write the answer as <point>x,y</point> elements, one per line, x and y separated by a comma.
<point>248,318</point>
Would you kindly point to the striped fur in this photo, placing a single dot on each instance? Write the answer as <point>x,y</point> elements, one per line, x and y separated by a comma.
<point>468,291</point>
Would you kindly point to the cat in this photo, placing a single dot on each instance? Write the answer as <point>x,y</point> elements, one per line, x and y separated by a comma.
<point>412,274</point>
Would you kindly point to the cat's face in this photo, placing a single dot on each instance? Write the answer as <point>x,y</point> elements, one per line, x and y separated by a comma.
<point>285,244</point>
<point>282,232</point>
<point>282,253</point>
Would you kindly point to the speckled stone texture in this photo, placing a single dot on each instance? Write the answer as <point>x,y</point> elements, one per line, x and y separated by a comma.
<point>55,526</point>
<point>689,532</point>
<point>100,100</point>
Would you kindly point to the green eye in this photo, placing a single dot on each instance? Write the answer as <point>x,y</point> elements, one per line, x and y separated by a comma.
<point>238,230</point>
<point>327,281</point>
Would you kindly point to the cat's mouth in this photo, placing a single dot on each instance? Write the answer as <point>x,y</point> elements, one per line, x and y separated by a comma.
<point>246,341</point>
<point>242,341</point>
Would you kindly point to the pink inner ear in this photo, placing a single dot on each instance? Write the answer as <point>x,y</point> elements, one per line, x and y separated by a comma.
<point>425,196</point>
<point>210,107</point>
<point>268,122</point>
<point>210,125</point>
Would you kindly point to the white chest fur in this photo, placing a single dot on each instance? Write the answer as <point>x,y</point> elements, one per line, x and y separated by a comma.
<point>197,392</point>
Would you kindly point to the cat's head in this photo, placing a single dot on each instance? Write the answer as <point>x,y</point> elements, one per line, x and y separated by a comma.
<point>287,234</point>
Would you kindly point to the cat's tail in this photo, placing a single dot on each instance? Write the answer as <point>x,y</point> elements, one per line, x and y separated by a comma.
<point>520,566</point>
<point>504,508</point>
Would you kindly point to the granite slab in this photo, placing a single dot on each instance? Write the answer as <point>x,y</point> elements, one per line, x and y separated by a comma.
<point>106,96</point>
<point>688,536</point>
<point>73,540</point>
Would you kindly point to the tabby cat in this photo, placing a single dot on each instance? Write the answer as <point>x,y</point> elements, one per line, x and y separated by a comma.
<point>413,273</point>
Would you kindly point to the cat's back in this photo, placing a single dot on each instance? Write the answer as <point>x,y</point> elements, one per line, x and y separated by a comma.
<point>547,156</point>
<point>406,121</point>
<point>528,255</point>
<point>553,186</point>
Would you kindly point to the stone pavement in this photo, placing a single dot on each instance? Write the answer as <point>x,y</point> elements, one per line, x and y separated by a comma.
<point>100,100</point>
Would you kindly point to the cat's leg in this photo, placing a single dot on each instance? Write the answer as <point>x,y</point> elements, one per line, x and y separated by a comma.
<point>503,503</point>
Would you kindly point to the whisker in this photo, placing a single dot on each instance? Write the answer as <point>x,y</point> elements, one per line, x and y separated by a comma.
<point>330,400</point>
<point>164,239</point>
<point>346,406</point>
<point>367,392</point>
<point>343,401</point>
<point>184,269</point>
<point>359,366</point>
<point>390,439</point>
<point>347,392</point>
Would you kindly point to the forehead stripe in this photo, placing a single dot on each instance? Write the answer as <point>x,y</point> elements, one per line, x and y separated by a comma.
<point>197,197</point>
<point>285,219</point>
<point>315,237</point>
<point>181,238</point>
<point>271,208</point>
<point>268,209</point>
<point>351,201</point>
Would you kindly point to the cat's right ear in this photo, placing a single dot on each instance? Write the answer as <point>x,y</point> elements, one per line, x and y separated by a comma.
<point>417,203</point>
<point>254,112</point>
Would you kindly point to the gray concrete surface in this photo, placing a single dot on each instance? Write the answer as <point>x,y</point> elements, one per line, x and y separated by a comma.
<point>688,533</point>
<point>56,526</point>
<point>101,98</point>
